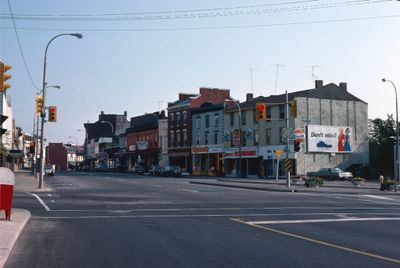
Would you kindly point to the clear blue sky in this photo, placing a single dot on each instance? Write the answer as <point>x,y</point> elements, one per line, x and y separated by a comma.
<point>135,54</point>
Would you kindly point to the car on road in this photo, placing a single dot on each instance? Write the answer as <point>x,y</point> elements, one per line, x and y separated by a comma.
<point>331,174</point>
<point>49,170</point>
<point>172,171</point>
<point>155,171</point>
<point>137,170</point>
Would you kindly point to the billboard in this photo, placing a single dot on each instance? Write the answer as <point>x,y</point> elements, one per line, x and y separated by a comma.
<point>329,139</point>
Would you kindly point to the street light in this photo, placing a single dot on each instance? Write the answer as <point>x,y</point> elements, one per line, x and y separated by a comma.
<point>79,36</point>
<point>240,135</point>
<point>397,168</point>
<point>112,127</point>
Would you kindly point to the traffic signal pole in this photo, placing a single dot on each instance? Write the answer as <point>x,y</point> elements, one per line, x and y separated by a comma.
<point>287,138</point>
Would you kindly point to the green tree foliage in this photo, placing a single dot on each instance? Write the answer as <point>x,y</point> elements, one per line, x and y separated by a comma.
<point>381,144</point>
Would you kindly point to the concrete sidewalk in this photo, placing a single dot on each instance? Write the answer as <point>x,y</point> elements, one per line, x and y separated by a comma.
<point>340,187</point>
<point>10,230</point>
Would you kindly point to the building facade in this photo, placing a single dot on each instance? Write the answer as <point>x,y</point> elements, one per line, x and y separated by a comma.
<point>207,139</point>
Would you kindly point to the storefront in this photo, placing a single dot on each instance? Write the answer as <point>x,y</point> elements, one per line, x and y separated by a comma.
<point>207,160</point>
<point>248,157</point>
<point>270,160</point>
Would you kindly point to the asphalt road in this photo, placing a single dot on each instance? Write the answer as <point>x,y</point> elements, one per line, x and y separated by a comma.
<point>111,220</point>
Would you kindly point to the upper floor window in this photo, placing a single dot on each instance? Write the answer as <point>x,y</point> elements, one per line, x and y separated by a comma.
<point>256,136</point>
<point>172,138</point>
<point>244,117</point>
<point>197,138</point>
<point>281,135</point>
<point>216,120</point>
<point>207,119</point>
<point>281,111</point>
<point>232,119</point>
<point>178,138</point>
<point>216,134</point>
<point>178,118</point>
<point>197,121</point>
<point>268,136</point>
<point>269,112</point>
<point>185,137</point>
<point>172,117</point>
<point>184,117</point>
<point>206,137</point>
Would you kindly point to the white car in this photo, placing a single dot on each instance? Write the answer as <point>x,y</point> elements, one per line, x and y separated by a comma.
<point>49,170</point>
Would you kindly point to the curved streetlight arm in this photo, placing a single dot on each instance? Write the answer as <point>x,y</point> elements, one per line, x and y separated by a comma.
<point>112,127</point>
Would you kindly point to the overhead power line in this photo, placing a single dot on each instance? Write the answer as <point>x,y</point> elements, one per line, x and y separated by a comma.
<point>20,47</point>
<point>283,7</point>
<point>211,27</point>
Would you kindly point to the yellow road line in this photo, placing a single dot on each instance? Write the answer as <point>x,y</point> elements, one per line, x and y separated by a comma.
<point>320,242</point>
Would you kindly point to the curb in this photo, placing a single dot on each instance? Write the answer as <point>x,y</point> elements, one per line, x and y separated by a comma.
<point>10,231</point>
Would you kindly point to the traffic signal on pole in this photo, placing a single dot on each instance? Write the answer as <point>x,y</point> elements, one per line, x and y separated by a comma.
<point>261,111</point>
<point>52,113</point>
<point>297,146</point>
<point>39,104</point>
<point>4,76</point>
<point>293,108</point>
<point>32,148</point>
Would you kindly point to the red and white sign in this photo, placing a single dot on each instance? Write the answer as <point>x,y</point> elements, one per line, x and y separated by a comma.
<point>236,137</point>
<point>299,134</point>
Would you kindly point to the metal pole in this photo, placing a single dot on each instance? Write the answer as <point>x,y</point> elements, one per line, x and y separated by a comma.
<point>240,138</point>
<point>43,113</point>
<point>287,138</point>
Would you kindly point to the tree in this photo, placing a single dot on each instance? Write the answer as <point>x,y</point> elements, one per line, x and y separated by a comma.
<point>381,144</point>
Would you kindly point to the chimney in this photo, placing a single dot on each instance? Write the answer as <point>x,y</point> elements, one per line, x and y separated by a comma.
<point>249,96</point>
<point>102,112</point>
<point>319,83</point>
<point>343,86</point>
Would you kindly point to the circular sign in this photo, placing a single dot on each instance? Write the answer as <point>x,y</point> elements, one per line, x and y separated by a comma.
<point>287,132</point>
<point>299,135</point>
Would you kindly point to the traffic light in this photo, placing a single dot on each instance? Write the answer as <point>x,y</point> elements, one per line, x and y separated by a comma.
<point>297,146</point>
<point>4,76</point>
<point>32,148</point>
<point>39,104</point>
<point>293,108</point>
<point>52,114</point>
<point>261,111</point>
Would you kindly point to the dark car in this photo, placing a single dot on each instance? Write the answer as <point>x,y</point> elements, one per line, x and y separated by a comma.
<point>172,171</point>
<point>137,170</point>
<point>155,171</point>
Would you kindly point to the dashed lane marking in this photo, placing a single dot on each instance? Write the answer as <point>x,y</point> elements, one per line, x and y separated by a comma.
<point>188,190</point>
<point>157,186</point>
<point>319,242</point>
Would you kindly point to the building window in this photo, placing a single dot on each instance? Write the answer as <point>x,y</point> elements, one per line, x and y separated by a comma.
<point>254,116</point>
<point>178,137</point>
<point>281,135</point>
<point>172,120</point>
<point>184,117</point>
<point>256,138</point>
<point>206,137</point>
<point>172,139</point>
<point>232,119</point>
<point>244,117</point>
<point>216,133</point>
<point>267,136</point>
<point>216,120</point>
<point>185,137</point>
<point>207,119</point>
<point>197,138</point>
<point>281,111</point>
<point>197,121</point>
<point>243,138</point>
<point>178,119</point>
<point>269,112</point>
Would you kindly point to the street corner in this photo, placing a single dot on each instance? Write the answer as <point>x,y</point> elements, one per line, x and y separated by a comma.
<point>11,230</point>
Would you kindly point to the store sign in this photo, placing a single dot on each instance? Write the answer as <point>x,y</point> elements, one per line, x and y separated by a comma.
<point>212,149</point>
<point>200,150</point>
<point>142,145</point>
<point>132,148</point>
<point>236,137</point>
<point>329,139</point>
<point>246,153</point>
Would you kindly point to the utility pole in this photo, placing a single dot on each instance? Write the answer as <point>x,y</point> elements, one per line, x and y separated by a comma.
<point>287,138</point>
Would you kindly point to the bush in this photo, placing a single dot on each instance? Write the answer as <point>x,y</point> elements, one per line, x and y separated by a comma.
<point>385,185</point>
<point>314,182</point>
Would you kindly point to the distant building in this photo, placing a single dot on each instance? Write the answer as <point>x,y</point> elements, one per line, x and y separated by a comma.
<point>57,154</point>
<point>146,140</point>
<point>102,140</point>
<point>180,125</point>
<point>335,123</point>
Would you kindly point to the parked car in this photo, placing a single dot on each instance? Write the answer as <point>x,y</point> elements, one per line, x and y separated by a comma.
<point>172,171</point>
<point>155,171</point>
<point>137,170</point>
<point>49,170</point>
<point>331,174</point>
